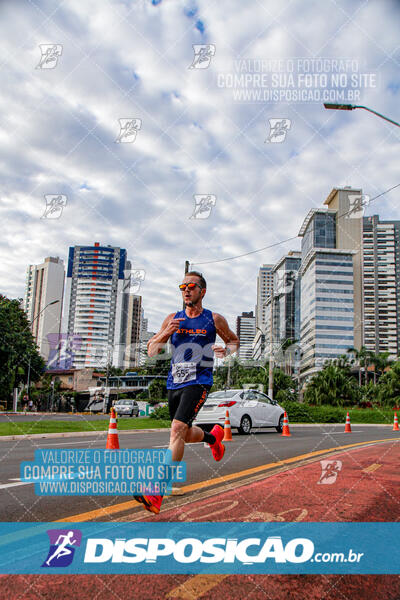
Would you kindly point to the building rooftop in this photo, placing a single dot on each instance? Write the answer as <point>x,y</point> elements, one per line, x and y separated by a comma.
<point>310,215</point>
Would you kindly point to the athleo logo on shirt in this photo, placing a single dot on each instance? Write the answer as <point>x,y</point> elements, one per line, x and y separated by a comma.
<point>192,331</point>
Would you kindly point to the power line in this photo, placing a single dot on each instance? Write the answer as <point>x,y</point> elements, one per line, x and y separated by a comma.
<point>288,239</point>
<point>246,253</point>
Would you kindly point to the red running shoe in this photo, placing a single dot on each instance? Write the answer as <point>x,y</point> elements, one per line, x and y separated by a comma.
<point>150,503</point>
<point>217,449</point>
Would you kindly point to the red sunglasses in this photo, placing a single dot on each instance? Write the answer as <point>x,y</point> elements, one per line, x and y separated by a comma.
<point>190,286</point>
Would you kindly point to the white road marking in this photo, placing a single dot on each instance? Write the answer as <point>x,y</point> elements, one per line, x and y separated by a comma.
<point>69,443</point>
<point>8,485</point>
<point>336,432</point>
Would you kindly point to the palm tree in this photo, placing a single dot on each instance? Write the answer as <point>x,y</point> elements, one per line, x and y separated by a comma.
<point>330,386</point>
<point>380,362</point>
<point>363,358</point>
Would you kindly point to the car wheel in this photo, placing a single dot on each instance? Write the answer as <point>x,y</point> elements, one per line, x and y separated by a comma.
<point>137,414</point>
<point>245,425</point>
<point>280,425</point>
<point>131,414</point>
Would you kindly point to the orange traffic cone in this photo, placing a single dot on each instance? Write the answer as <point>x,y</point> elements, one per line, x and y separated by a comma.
<point>396,423</point>
<point>347,428</point>
<point>285,428</point>
<point>112,437</point>
<point>227,428</point>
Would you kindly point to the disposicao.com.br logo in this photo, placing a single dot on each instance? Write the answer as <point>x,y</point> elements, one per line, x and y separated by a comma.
<point>247,551</point>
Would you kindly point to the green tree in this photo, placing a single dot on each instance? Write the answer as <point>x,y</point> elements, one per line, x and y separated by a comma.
<point>363,359</point>
<point>285,387</point>
<point>388,388</point>
<point>332,385</point>
<point>380,362</point>
<point>17,349</point>
<point>157,390</point>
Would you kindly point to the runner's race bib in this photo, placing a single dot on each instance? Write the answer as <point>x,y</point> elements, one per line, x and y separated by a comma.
<point>182,372</point>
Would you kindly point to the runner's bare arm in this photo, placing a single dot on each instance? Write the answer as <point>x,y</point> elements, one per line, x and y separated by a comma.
<point>231,339</point>
<point>156,343</point>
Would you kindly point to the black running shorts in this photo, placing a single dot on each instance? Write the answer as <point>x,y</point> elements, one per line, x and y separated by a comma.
<point>184,403</point>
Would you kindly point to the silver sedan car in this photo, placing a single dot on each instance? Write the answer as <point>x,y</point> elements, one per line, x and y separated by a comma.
<point>126,408</point>
<point>247,409</point>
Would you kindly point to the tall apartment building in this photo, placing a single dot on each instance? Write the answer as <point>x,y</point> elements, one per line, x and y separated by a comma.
<point>381,269</point>
<point>131,328</point>
<point>44,284</point>
<point>331,281</point>
<point>264,289</point>
<point>245,330</point>
<point>95,302</point>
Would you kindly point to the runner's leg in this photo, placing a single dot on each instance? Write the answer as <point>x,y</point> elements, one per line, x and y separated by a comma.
<point>177,439</point>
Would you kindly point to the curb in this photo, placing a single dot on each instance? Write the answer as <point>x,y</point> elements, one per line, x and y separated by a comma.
<point>34,436</point>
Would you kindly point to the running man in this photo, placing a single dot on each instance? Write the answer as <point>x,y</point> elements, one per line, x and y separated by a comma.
<point>62,542</point>
<point>192,332</point>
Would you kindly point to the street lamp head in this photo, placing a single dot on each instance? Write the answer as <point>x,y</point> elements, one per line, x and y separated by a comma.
<point>340,106</point>
<point>53,302</point>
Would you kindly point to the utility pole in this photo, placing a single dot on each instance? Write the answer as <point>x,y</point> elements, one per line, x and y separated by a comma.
<point>186,271</point>
<point>271,359</point>
<point>52,395</point>
<point>29,377</point>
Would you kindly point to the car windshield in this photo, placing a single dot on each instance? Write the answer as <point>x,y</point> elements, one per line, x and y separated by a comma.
<point>124,402</point>
<point>218,395</point>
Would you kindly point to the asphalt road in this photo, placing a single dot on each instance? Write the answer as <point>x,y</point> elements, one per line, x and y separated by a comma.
<point>18,501</point>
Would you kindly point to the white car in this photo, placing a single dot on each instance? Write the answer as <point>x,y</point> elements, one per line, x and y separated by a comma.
<point>247,409</point>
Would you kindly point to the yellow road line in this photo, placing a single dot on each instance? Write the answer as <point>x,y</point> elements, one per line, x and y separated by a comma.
<point>371,468</point>
<point>196,586</point>
<point>109,510</point>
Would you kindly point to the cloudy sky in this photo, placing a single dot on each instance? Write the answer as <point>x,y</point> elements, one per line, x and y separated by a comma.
<point>72,70</point>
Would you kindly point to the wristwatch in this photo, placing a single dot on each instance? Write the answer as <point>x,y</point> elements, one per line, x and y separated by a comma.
<point>228,351</point>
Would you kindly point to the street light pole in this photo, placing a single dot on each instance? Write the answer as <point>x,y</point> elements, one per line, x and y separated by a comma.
<point>354,106</point>
<point>186,271</point>
<point>271,358</point>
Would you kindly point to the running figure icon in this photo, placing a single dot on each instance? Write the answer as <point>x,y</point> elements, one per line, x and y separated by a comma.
<point>62,549</point>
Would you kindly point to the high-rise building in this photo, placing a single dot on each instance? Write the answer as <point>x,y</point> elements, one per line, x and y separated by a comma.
<point>381,269</point>
<point>264,289</point>
<point>331,281</point>
<point>245,330</point>
<point>131,328</point>
<point>349,236</point>
<point>286,295</point>
<point>95,302</point>
<point>44,284</point>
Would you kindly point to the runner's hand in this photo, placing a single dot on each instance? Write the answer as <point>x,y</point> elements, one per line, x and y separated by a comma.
<point>220,351</point>
<point>173,325</point>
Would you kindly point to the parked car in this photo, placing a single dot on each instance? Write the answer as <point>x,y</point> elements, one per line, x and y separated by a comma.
<point>127,408</point>
<point>248,409</point>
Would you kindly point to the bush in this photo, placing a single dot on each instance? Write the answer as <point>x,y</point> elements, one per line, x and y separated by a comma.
<point>161,413</point>
<point>304,413</point>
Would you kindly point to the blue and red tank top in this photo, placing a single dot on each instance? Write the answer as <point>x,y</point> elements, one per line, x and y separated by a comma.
<point>192,356</point>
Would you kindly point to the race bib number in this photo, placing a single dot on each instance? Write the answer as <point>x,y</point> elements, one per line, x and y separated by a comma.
<point>182,372</point>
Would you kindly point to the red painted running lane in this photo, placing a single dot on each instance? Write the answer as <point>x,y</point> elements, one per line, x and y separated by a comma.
<point>363,486</point>
<point>360,485</point>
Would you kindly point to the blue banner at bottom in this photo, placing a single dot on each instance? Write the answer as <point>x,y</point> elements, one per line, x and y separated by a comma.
<point>208,548</point>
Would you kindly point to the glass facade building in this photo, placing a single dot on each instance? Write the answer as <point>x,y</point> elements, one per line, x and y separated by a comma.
<point>327,293</point>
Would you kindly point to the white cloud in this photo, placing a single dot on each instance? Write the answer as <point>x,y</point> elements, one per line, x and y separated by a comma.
<point>132,60</point>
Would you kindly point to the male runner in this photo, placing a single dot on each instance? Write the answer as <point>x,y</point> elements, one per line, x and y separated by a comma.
<point>192,332</point>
